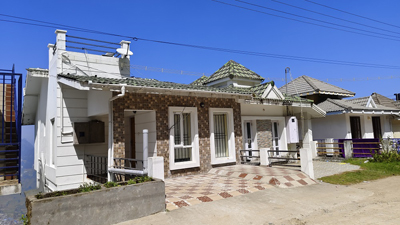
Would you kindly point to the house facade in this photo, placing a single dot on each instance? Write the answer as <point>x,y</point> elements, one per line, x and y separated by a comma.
<point>93,120</point>
<point>357,118</point>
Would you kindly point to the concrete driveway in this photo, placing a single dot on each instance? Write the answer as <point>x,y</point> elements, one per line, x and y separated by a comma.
<point>230,181</point>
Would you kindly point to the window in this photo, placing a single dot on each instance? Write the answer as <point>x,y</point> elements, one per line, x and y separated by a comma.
<point>184,142</point>
<point>222,137</point>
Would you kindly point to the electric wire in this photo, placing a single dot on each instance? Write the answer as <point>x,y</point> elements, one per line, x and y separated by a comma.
<point>309,18</point>
<point>353,14</point>
<point>338,18</point>
<point>315,60</point>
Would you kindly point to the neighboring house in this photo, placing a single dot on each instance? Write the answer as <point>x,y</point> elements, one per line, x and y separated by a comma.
<point>346,118</point>
<point>90,117</point>
<point>265,118</point>
<point>385,101</point>
<point>313,89</point>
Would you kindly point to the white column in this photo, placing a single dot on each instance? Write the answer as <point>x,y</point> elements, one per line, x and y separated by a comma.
<point>306,161</point>
<point>60,42</point>
<point>264,157</point>
<point>348,149</point>
<point>145,149</point>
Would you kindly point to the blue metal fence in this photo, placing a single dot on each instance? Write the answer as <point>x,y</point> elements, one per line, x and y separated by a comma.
<point>11,114</point>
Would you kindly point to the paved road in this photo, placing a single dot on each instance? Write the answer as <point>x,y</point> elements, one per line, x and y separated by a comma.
<point>367,203</point>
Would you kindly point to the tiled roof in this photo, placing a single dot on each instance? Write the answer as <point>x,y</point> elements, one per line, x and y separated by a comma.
<point>336,105</point>
<point>255,91</point>
<point>306,85</point>
<point>230,69</point>
<point>385,101</point>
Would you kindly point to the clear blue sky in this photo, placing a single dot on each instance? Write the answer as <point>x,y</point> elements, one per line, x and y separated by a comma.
<point>213,24</point>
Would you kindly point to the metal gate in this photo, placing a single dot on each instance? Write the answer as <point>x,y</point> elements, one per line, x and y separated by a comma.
<point>10,121</point>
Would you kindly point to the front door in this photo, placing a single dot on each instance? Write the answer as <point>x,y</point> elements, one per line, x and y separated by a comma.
<point>376,126</point>
<point>248,140</point>
<point>275,138</point>
<point>355,126</point>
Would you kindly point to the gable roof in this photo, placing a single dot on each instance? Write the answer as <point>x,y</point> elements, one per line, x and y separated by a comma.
<point>305,85</point>
<point>336,105</point>
<point>385,101</point>
<point>230,69</point>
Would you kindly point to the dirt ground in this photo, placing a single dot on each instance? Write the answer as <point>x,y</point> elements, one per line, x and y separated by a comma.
<point>375,202</point>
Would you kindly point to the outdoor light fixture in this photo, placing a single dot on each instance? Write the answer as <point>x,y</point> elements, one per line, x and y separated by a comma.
<point>202,104</point>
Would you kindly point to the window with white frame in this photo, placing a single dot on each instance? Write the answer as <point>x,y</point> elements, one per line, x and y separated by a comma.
<point>222,137</point>
<point>184,141</point>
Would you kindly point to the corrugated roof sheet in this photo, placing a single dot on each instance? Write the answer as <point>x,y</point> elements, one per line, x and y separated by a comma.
<point>305,85</point>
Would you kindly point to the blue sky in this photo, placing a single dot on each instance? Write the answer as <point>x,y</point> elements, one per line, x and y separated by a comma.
<point>213,24</point>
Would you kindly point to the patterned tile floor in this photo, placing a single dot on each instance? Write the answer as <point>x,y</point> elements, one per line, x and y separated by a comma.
<point>230,181</point>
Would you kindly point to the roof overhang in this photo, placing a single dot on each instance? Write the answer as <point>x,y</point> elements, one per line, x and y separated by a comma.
<point>144,89</point>
<point>31,94</point>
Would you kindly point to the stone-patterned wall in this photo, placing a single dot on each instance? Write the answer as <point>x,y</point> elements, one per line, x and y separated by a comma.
<point>160,104</point>
<point>264,134</point>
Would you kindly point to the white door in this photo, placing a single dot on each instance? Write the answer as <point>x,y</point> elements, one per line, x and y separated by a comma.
<point>275,137</point>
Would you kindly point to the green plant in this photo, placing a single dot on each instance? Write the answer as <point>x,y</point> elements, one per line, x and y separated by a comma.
<point>144,179</point>
<point>24,219</point>
<point>86,187</point>
<point>110,184</point>
<point>39,195</point>
<point>388,151</point>
<point>131,182</point>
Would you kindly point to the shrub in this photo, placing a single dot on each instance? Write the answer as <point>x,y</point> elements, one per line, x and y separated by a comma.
<point>388,152</point>
<point>110,184</point>
<point>86,187</point>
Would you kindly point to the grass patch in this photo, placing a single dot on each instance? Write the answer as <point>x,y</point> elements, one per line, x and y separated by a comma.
<point>369,171</point>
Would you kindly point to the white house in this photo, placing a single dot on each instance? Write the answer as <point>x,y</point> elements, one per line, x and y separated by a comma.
<point>95,122</point>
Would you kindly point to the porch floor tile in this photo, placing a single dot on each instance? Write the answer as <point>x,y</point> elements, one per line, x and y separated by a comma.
<point>230,181</point>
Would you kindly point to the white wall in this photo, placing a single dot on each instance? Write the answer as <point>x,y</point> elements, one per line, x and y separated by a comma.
<point>93,65</point>
<point>332,126</point>
<point>97,102</point>
<point>262,110</point>
<point>71,171</point>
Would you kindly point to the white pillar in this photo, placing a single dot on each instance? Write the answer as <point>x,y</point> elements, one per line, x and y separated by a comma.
<point>264,157</point>
<point>306,161</point>
<point>348,149</point>
<point>60,42</point>
<point>329,147</point>
<point>145,149</point>
<point>156,167</point>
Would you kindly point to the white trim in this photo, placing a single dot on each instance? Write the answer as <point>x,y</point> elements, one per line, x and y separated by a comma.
<point>231,136</point>
<point>195,138</point>
<point>273,89</point>
<point>370,103</point>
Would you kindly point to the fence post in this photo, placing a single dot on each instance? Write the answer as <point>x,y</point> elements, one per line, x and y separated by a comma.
<point>329,146</point>
<point>306,162</point>
<point>264,161</point>
<point>348,149</point>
